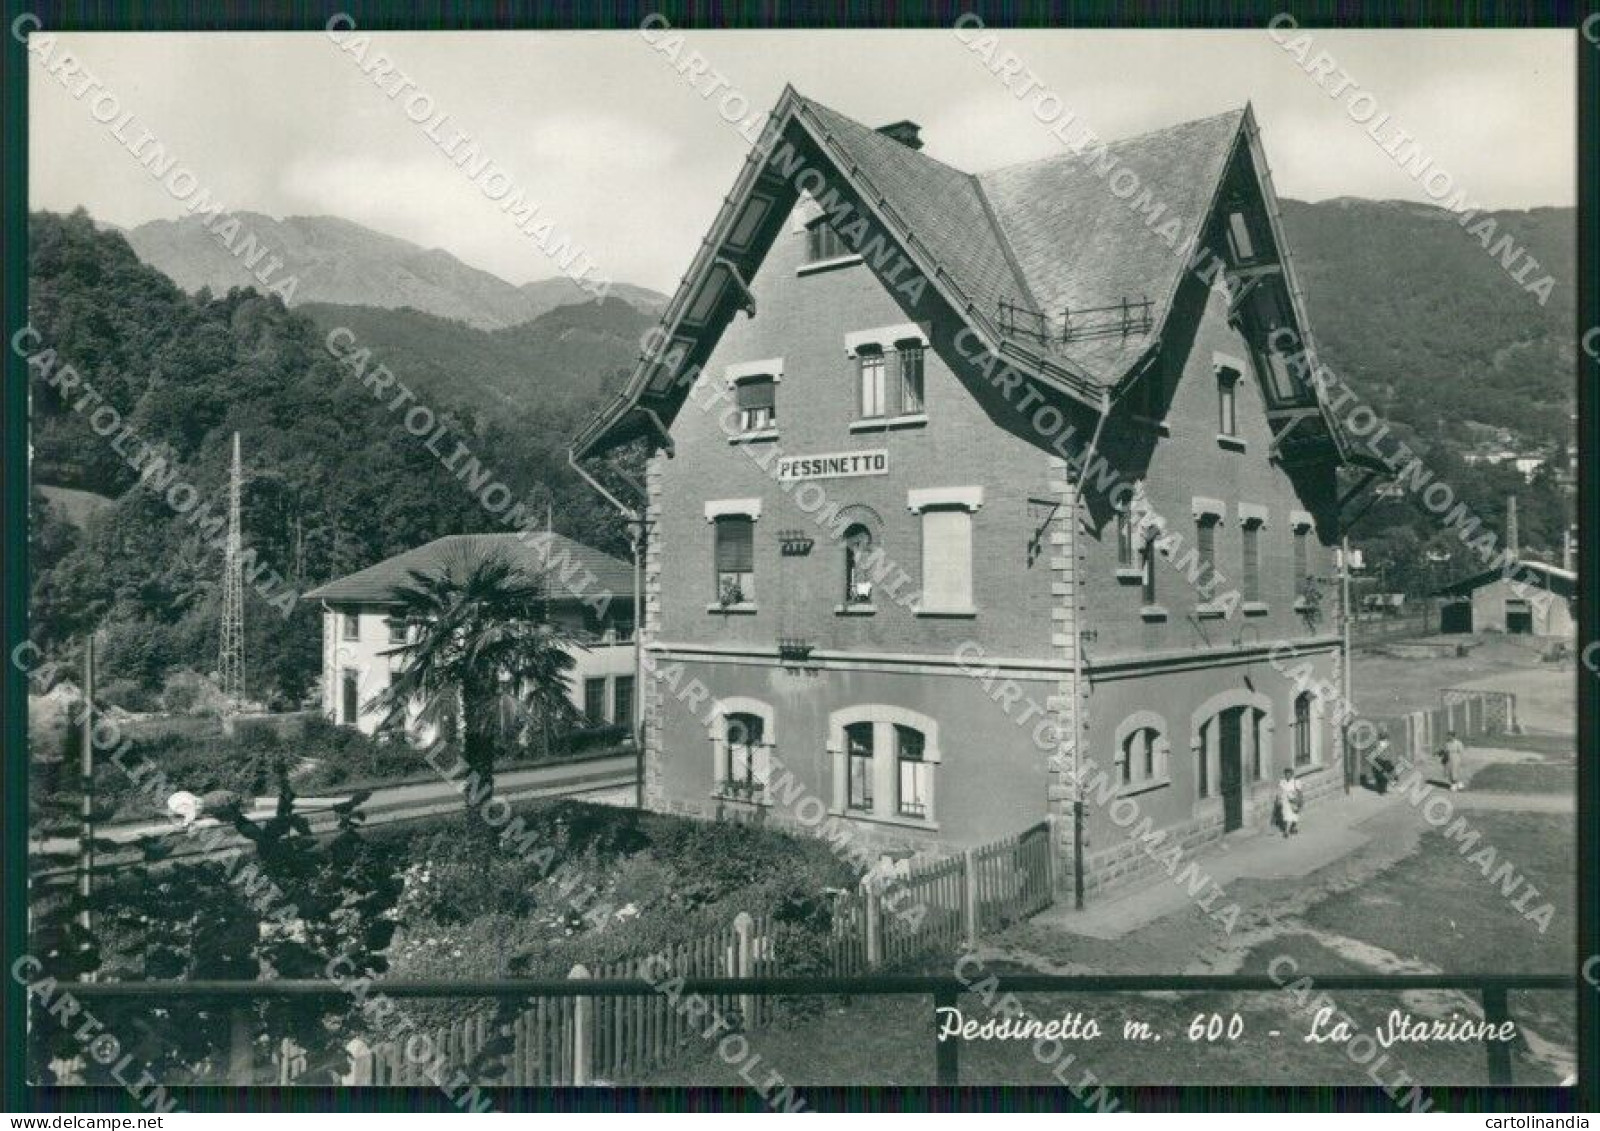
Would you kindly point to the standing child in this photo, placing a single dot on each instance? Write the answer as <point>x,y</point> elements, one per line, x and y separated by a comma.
<point>1290,799</point>
<point>1451,756</point>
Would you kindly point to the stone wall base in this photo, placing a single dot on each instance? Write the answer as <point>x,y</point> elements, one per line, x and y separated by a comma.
<point>1119,860</point>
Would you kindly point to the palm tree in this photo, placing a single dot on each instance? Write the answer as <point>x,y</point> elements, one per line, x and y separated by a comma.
<point>480,641</point>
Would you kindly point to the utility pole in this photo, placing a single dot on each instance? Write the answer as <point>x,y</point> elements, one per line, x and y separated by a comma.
<point>86,772</point>
<point>1344,658</point>
<point>230,658</point>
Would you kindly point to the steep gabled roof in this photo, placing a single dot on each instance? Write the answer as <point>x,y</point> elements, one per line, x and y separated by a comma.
<point>1045,236</point>
<point>1082,243</point>
<point>535,555</point>
<point>943,208</point>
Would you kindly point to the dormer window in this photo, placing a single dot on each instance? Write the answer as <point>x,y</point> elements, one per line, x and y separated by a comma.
<point>823,243</point>
<point>1240,242</point>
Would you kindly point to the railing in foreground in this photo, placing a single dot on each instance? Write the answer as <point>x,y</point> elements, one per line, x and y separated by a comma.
<point>945,991</point>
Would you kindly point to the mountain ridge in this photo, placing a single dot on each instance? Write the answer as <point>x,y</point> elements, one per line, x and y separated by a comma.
<point>336,260</point>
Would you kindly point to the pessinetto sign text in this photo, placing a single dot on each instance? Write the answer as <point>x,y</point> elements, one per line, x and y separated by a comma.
<point>834,465</point>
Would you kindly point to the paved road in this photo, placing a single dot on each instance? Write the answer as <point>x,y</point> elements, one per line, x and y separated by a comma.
<point>394,803</point>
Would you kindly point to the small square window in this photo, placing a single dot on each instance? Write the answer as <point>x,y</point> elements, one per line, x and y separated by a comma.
<point>823,243</point>
<point>756,398</point>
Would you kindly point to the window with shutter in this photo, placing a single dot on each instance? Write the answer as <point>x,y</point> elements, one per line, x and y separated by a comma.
<point>946,560</point>
<point>735,560</point>
<point>1302,559</point>
<point>1206,542</point>
<point>1252,561</point>
<point>756,398</point>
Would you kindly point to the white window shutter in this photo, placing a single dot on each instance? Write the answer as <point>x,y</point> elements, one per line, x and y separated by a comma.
<point>946,560</point>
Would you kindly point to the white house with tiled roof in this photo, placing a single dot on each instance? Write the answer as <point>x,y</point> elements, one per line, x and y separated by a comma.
<point>592,597</point>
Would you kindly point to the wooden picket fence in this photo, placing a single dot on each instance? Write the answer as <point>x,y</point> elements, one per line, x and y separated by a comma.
<point>936,907</point>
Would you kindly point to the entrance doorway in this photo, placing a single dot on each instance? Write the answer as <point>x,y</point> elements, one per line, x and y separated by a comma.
<point>1519,617</point>
<point>1230,766</point>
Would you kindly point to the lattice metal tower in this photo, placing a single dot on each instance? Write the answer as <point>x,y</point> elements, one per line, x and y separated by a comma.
<point>230,660</point>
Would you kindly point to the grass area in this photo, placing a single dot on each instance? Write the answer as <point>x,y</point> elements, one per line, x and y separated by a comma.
<point>1527,777</point>
<point>1391,685</point>
<point>1436,905</point>
<point>1557,747</point>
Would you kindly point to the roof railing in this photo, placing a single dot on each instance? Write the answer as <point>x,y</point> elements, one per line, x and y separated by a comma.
<point>1121,319</point>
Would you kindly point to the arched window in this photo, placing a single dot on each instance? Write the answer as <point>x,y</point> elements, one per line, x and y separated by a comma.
<point>885,763</point>
<point>745,736</point>
<point>742,733</point>
<point>857,578</point>
<point>1137,758</point>
<point>1140,751</point>
<point>915,773</point>
<point>1304,730</point>
<point>859,754</point>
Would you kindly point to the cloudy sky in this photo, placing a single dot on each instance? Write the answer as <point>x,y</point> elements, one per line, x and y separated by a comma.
<point>631,162</point>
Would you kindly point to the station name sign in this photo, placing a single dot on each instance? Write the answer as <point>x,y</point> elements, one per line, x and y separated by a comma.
<point>834,465</point>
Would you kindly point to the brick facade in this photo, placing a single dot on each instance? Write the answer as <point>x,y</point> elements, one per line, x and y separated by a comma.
<point>1021,705</point>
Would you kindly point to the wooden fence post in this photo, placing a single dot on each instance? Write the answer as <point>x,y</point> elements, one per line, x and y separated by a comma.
<point>582,1023</point>
<point>1051,831</point>
<point>360,1074</point>
<point>743,925</point>
<point>241,1046</point>
<point>969,872</point>
<point>874,915</point>
<point>1495,1012</point>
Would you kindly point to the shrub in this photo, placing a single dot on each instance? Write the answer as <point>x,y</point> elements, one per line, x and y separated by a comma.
<point>128,695</point>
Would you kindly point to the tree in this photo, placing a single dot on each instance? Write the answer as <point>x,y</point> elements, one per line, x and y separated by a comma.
<point>481,642</point>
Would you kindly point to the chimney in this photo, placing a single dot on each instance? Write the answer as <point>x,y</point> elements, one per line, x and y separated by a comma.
<point>907,133</point>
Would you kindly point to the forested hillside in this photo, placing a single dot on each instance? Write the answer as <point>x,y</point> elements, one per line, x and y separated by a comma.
<point>333,480</point>
<point>1418,316</point>
<point>562,363</point>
